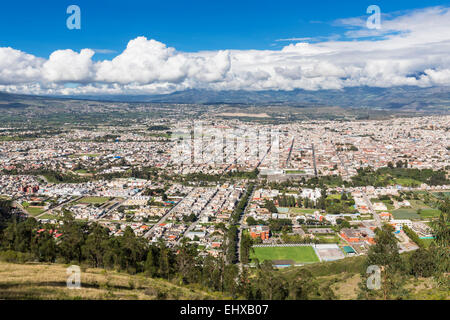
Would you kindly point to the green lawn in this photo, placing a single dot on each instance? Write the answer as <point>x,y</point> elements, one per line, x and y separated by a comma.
<point>328,238</point>
<point>301,210</point>
<point>418,204</point>
<point>411,213</point>
<point>334,196</point>
<point>430,213</point>
<point>407,182</point>
<point>81,171</point>
<point>441,194</point>
<point>34,211</point>
<point>49,216</point>
<point>294,171</point>
<point>427,242</point>
<point>93,200</point>
<point>405,214</point>
<point>297,254</point>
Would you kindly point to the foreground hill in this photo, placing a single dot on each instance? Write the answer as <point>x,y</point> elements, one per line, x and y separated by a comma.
<point>344,276</point>
<point>48,281</point>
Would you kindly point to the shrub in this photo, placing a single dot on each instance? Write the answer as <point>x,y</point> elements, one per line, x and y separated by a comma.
<point>14,256</point>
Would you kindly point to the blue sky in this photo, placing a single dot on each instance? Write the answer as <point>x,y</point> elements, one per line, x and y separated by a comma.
<point>152,47</point>
<point>39,27</point>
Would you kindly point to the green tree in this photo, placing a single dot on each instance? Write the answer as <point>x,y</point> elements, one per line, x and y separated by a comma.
<point>19,236</point>
<point>96,245</point>
<point>212,273</point>
<point>151,262</point>
<point>187,262</point>
<point>44,247</point>
<point>132,251</point>
<point>164,261</point>
<point>251,221</point>
<point>269,205</point>
<point>230,275</point>
<point>245,288</point>
<point>246,248</point>
<point>441,244</point>
<point>422,263</point>
<point>385,255</point>
<point>73,239</point>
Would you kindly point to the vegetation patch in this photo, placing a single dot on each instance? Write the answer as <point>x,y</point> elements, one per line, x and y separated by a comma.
<point>405,214</point>
<point>41,281</point>
<point>303,254</point>
<point>34,211</point>
<point>93,200</point>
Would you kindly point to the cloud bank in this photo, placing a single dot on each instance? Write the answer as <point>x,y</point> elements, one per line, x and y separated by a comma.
<point>409,49</point>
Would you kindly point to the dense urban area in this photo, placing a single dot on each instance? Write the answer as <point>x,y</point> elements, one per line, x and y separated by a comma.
<point>247,209</point>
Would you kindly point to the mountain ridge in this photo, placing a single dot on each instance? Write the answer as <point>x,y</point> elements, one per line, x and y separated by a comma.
<point>411,98</point>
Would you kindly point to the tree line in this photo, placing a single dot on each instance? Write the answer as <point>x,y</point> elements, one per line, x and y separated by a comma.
<point>90,244</point>
<point>83,243</point>
<point>395,269</point>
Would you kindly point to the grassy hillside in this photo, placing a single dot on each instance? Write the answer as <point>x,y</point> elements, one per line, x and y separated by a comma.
<point>344,277</point>
<point>48,281</point>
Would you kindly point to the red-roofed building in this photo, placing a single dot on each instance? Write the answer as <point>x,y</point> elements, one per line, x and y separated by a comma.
<point>262,232</point>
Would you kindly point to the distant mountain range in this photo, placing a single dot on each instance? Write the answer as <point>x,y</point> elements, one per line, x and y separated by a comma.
<point>404,98</point>
<point>391,98</point>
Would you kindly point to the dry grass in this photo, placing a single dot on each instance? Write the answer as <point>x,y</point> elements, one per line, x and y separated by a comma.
<point>41,281</point>
<point>427,289</point>
<point>48,281</point>
<point>347,287</point>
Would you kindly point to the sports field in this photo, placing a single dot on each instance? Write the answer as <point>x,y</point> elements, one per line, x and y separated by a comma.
<point>93,200</point>
<point>295,172</point>
<point>34,211</point>
<point>301,211</point>
<point>297,254</point>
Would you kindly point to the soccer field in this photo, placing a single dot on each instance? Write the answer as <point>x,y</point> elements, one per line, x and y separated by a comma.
<point>298,254</point>
<point>93,200</point>
<point>34,211</point>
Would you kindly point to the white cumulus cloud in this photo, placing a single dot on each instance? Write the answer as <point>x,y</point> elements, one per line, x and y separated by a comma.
<point>411,48</point>
<point>68,65</point>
